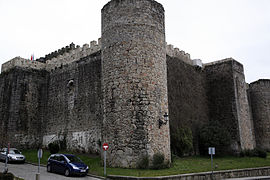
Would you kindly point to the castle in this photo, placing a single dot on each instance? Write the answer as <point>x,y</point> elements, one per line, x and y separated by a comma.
<point>120,89</point>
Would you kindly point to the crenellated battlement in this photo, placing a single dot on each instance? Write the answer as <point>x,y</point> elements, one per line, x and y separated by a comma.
<point>73,55</point>
<point>177,53</point>
<point>55,59</point>
<point>182,55</point>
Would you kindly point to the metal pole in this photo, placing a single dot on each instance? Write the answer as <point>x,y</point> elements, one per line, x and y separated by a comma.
<point>38,164</point>
<point>6,168</point>
<point>212,163</point>
<point>104,163</point>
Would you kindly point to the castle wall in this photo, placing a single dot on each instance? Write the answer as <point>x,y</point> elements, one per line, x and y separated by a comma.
<point>74,105</point>
<point>118,90</point>
<point>221,99</point>
<point>228,103</point>
<point>187,97</point>
<point>260,102</point>
<point>21,96</point>
<point>246,129</point>
<point>134,81</point>
<point>23,63</point>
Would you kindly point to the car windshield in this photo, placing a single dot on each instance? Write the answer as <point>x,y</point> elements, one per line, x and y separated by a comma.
<point>73,159</point>
<point>14,151</point>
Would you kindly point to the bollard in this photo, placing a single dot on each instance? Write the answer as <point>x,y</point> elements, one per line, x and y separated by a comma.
<point>38,176</point>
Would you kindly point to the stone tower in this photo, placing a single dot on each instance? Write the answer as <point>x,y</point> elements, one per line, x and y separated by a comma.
<point>134,81</point>
<point>260,103</point>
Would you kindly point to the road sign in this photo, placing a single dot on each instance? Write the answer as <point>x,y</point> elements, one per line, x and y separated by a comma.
<point>40,152</point>
<point>211,150</point>
<point>105,146</point>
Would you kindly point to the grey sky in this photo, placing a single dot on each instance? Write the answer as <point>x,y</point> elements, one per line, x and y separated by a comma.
<point>207,29</point>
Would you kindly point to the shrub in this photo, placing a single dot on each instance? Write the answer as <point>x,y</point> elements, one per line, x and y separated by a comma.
<point>143,162</point>
<point>158,161</point>
<point>253,153</point>
<point>53,147</point>
<point>174,157</point>
<point>261,153</point>
<point>214,135</point>
<point>181,141</point>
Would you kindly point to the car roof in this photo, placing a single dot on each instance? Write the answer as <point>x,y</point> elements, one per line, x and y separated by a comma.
<point>11,148</point>
<point>69,155</point>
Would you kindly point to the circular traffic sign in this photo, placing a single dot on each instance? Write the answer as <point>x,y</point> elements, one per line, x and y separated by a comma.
<point>105,146</point>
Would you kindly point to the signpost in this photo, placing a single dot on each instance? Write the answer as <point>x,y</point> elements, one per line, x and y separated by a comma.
<point>40,152</point>
<point>211,151</point>
<point>105,147</point>
<point>7,152</point>
<point>39,155</point>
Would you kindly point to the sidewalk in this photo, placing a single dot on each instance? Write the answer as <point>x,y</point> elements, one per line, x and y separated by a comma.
<point>251,178</point>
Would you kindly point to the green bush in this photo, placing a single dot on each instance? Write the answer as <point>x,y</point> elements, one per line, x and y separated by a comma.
<point>253,153</point>
<point>248,153</point>
<point>181,141</point>
<point>261,153</point>
<point>214,135</point>
<point>174,157</point>
<point>53,147</point>
<point>143,162</point>
<point>158,161</point>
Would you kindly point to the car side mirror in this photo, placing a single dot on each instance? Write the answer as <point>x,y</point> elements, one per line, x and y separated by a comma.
<point>64,162</point>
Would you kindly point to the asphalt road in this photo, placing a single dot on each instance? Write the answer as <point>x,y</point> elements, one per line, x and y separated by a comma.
<point>28,172</point>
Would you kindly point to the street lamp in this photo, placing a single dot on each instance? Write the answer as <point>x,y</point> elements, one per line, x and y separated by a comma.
<point>166,119</point>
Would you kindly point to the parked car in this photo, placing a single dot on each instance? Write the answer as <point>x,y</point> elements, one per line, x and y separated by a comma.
<point>66,164</point>
<point>14,155</point>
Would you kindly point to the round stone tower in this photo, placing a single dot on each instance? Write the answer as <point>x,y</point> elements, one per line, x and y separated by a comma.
<point>134,81</point>
<point>260,103</point>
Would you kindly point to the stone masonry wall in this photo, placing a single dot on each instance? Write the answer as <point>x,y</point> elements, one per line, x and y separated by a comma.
<point>187,97</point>
<point>21,96</point>
<point>221,99</point>
<point>260,102</point>
<point>246,129</point>
<point>74,105</point>
<point>134,81</point>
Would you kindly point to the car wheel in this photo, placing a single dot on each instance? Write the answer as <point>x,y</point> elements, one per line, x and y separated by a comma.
<point>67,173</point>
<point>49,169</point>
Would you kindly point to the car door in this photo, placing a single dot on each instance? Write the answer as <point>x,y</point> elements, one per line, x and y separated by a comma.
<point>62,164</point>
<point>52,163</point>
<point>3,154</point>
<point>57,164</point>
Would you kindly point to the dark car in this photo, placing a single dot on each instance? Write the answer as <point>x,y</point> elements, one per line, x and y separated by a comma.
<point>14,155</point>
<point>66,164</point>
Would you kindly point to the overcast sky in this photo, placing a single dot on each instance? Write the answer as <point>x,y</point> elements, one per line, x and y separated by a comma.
<point>207,29</point>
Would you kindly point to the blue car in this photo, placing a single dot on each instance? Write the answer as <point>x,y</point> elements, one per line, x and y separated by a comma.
<point>66,164</point>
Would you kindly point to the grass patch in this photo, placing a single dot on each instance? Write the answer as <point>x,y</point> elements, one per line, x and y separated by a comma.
<point>179,165</point>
